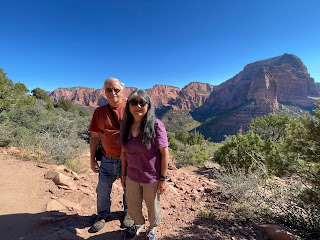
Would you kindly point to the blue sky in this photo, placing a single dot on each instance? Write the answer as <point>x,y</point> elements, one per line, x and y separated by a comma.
<point>66,43</point>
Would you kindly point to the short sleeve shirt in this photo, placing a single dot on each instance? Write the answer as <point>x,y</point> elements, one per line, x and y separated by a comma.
<point>103,122</point>
<point>144,162</point>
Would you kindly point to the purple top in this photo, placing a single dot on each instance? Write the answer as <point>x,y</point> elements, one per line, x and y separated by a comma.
<point>144,162</point>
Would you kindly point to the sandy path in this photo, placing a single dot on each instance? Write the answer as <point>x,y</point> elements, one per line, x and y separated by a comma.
<point>25,194</point>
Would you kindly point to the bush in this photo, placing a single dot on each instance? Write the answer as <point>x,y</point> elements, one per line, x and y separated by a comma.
<point>66,105</point>
<point>60,134</point>
<point>269,200</point>
<point>241,151</point>
<point>195,155</point>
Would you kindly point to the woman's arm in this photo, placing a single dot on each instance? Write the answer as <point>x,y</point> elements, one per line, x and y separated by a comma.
<point>162,184</point>
<point>124,167</point>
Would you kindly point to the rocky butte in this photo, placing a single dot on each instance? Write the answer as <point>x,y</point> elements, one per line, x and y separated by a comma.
<point>261,88</point>
<point>190,97</point>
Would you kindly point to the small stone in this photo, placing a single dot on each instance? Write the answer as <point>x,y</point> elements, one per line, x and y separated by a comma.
<point>70,205</point>
<point>54,205</point>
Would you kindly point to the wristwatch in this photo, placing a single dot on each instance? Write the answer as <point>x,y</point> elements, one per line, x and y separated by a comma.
<point>164,177</point>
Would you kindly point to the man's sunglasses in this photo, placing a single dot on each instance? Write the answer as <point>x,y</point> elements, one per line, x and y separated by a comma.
<point>135,102</point>
<point>116,90</point>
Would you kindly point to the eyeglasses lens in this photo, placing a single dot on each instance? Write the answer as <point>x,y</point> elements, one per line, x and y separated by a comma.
<point>134,102</point>
<point>116,90</point>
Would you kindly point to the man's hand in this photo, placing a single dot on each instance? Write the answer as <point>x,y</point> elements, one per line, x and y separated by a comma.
<point>162,186</point>
<point>94,142</point>
<point>95,166</point>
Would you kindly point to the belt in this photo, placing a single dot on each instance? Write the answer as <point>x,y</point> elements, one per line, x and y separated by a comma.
<point>113,157</point>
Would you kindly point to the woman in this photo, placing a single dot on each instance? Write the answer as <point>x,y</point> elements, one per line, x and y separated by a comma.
<point>144,158</point>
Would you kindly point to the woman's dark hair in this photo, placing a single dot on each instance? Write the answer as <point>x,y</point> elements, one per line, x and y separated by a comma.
<point>147,131</point>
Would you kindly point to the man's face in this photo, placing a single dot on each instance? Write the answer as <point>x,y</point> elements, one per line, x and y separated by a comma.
<point>112,93</point>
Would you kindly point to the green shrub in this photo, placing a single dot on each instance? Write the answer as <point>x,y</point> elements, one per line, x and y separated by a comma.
<point>271,126</point>
<point>66,105</point>
<point>241,151</point>
<point>269,200</point>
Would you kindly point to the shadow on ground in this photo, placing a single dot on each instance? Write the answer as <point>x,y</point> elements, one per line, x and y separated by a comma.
<point>211,228</point>
<point>49,225</point>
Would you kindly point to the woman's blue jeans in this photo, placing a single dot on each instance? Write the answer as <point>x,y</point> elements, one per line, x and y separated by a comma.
<point>110,169</point>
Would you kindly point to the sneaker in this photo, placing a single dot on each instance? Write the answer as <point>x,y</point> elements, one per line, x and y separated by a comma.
<point>99,223</point>
<point>151,234</point>
<point>133,232</point>
<point>127,221</point>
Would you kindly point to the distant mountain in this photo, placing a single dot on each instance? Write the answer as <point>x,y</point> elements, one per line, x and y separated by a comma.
<point>318,86</point>
<point>277,85</point>
<point>190,97</point>
<point>263,87</point>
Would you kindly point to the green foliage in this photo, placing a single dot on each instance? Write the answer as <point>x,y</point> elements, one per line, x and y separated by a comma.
<point>208,214</point>
<point>302,147</point>
<point>195,138</point>
<point>181,120</point>
<point>270,200</point>
<point>60,134</point>
<point>242,151</point>
<point>40,94</point>
<point>190,148</point>
<point>182,136</point>
<point>173,144</point>
<point>271,126</point>
<point>189,138</point>
<point>12,95</point>
<point>195,155</point>
<point>66,105</point>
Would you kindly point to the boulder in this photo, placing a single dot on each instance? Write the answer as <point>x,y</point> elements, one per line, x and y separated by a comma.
<point>275,232</point>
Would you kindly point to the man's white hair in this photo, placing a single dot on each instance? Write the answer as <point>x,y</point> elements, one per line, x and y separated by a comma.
<point>112,78</point>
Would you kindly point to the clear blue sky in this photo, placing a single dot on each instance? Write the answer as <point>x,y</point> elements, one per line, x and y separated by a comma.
<point>66,43</point>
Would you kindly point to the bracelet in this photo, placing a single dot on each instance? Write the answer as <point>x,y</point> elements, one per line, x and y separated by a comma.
<point>164,176</point>
<point>124,175</point>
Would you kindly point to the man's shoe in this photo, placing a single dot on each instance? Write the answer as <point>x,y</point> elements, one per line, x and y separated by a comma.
<point>99,223</point>
<point>151,234</point>
<point>127,221</point>
<point>133,232</point>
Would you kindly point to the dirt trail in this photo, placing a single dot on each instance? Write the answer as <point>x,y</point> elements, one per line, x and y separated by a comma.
<point>25,195</point>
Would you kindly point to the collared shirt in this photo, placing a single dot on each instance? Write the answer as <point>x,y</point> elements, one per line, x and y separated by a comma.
<point>102,121</point>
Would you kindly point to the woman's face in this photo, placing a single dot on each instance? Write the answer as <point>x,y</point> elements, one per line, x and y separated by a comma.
<point>138,107</point>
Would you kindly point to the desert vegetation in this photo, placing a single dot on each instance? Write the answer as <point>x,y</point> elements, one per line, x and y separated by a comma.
<point>271,171</point>
<point>52,132</point>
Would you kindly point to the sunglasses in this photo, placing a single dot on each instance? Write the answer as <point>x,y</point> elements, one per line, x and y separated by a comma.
<point>109,90</point>
<point>135,102</point>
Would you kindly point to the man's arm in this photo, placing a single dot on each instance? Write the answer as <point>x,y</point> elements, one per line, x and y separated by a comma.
<point>94,142</point>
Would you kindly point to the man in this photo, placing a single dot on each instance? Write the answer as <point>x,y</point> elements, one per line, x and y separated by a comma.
<point>106,124</point>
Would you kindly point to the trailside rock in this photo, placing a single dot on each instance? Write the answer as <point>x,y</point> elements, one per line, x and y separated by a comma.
<point>61,179</point>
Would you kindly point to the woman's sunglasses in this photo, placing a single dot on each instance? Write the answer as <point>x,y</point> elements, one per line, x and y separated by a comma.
<point>135,102</point>
<point>116,90</point>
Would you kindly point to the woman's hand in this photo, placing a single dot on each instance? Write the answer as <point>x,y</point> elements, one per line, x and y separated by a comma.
<point>123,181</point>
<point>162,186</point>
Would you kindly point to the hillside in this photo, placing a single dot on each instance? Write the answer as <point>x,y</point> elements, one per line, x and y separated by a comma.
<point>267,86</point>
<point>33,207</point>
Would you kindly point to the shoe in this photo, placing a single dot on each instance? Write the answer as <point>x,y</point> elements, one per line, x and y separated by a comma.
<point>133,232</point>
<point>99,223</point>
<point>127,221</point>
<point>151,234</point>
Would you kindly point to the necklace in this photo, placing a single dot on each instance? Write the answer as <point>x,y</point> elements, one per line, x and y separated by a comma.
<point>136,127</point>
